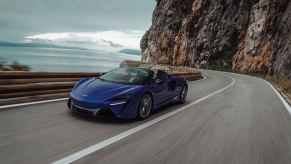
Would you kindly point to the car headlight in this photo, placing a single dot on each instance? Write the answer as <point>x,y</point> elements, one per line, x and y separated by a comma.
<point>123,99</point>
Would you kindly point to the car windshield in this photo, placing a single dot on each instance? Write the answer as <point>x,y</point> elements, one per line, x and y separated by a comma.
<point>133,76</point>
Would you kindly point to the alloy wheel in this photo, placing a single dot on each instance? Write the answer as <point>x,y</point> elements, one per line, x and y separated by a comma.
<point>145,106</point>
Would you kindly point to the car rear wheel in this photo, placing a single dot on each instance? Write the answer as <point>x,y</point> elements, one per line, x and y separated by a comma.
<point>145,107</point>
<point>183,94</point>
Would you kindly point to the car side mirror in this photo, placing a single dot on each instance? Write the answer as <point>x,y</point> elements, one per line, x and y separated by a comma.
<point>159,81</point>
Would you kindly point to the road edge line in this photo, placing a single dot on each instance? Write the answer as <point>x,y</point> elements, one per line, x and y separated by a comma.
<point>204,77</point>
<point>31,103</point>
<point>282,99</point>
<point>100,145</point>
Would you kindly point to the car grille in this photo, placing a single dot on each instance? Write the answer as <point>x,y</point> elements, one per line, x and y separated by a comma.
<point>87,112</point>
<point>105,112</point>
<point>83,110</point>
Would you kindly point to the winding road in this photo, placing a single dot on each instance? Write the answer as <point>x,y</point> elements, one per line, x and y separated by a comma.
<point>228,119</point>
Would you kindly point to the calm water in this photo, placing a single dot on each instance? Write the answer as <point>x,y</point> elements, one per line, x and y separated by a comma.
<point>65,60</point>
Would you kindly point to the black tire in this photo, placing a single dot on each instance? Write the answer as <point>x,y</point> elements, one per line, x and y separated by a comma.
<point>69,103</point>
<point>145,107</point>
<point>183,94</point>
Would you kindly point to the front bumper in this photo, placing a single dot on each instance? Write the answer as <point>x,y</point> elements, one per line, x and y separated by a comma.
<point>98,112</point>
<point>117,110</point>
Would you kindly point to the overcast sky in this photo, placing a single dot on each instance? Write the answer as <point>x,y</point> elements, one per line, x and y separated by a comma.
<point>22,18</point>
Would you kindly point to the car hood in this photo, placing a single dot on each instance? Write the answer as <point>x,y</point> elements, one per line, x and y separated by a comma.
<point>100,89</point>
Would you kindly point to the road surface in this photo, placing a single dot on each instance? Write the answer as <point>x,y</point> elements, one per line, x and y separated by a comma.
<point>234,119</point>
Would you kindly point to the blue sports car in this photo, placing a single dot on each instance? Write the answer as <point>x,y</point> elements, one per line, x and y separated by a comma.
<point>127,93</point>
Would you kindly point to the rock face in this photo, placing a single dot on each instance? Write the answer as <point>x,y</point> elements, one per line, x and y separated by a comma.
<point>241,35</point>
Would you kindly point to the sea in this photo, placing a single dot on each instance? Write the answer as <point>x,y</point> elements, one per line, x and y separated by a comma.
<point>64,60</point>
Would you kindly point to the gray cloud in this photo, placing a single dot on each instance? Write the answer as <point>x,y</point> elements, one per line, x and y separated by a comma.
<point>19,18</point>
<point>112,44</point>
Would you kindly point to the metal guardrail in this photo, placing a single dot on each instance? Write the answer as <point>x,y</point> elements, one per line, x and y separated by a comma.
<point>22,87</point>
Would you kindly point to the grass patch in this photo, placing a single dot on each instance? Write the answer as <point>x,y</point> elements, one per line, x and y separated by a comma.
<point>284,83</point>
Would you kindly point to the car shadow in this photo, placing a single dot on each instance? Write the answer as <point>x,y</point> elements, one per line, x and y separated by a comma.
<point>100,120</point>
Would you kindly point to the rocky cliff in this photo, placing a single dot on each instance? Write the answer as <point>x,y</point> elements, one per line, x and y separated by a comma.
<point>238,35</point>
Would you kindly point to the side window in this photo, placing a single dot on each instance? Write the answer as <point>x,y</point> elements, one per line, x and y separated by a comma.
<point>162,75</point>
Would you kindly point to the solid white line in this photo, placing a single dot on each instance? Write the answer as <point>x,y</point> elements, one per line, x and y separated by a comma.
<point>31,103</point>
<point>80,154</point>
<point>285,103</point>
<point>204,77</point>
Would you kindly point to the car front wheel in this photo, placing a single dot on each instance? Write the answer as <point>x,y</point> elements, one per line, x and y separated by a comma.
<point>145,107</point>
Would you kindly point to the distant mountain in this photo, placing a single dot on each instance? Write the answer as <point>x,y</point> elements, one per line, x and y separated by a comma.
<point>37,45</point>
<point>131,51</point>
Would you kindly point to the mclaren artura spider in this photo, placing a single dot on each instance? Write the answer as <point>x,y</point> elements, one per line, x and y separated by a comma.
<point>127,93</point>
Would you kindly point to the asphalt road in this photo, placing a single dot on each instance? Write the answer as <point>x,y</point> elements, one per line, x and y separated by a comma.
<point>244,123</point>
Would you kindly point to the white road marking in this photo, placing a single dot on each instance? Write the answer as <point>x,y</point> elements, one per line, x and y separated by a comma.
<point>82,153</point>
<point>285,103</point>
<point>31,103</point>
<point>204,77</point>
